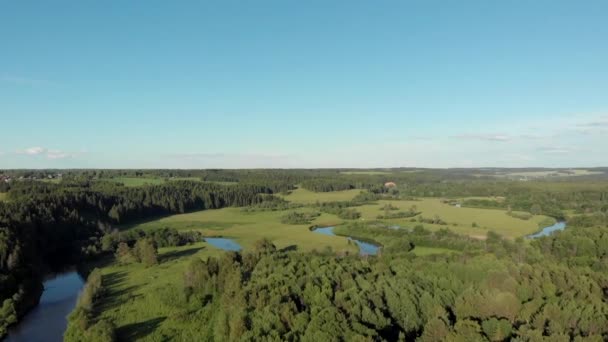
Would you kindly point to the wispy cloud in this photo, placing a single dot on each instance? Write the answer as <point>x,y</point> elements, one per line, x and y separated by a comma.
<point>601,122</point>
<point>229,160</point>
<point>483,137</point>
<point>554,150</point>
<point>32,151</point>
<point>204,155</point>
<point>48,153</point>
<point>24,81</point>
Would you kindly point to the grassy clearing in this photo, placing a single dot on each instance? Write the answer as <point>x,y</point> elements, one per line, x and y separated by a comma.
<point>550,173</point>
<point>372,173</point>
<point>3,196</point>
<point>305,196</point>
<point>194,179</point>
<point>142,301</point>
<point>248,227</point>
<point>460,220</point>
<point>137,181</point>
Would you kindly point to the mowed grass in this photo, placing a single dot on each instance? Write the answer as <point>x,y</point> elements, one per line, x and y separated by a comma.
<point>302,195</point>
<point>460,220</point>
<point>248,227</point>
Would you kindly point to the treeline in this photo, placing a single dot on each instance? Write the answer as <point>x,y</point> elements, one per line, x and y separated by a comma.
<point>340,208</point>
<point>82,323</point>
<point>296,217</point>
<point>582,247</point>
<point>501,294</point>
<point>49,225</point>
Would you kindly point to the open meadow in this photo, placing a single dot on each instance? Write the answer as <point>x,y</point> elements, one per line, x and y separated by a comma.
<point>475,222</point>
<point>145,303</point>
<point>301,195</point>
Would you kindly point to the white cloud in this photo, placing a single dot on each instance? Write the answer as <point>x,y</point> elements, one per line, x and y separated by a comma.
<point>32,151</point>
<point>56,154</point>
<point>554,150</point>
<point>48,153</point>
<point>484,137</point>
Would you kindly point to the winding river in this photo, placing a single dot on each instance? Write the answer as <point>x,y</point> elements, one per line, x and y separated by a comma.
<point>223,243</point>
<point>48,320</point>
<point>365,248</point>
<point>561,225</point>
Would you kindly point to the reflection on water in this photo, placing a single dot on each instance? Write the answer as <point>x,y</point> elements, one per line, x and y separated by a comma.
<point>47,321</point>
<point>223,243</point>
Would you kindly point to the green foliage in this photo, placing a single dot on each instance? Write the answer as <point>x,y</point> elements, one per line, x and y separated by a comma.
<point>145,251</point>
<point>8,315</point>
<point>497,289</point>
<point>82,325</point>
<point>295,217</point>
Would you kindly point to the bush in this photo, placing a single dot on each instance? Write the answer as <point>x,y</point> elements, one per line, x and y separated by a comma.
<point>299,217</point>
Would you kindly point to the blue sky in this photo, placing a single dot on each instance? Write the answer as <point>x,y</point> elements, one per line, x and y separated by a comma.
<point>159,84</point>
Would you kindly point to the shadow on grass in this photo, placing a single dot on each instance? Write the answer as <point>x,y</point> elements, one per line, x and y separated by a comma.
<point>136,331</point>
<point>290,248</point>
<point>179,254</point>
<point>114,278</point>
<point>118,298</point>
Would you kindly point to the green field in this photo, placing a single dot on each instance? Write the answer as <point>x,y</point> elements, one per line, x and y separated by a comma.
<point>460,220</point>
<point>248,227</point>
<point>301,195</point>
<point>366,173</point>
<point>136,297</point>
<point>549,173</point>
<point>137,181</point>
<point>146,303</point>
<point>3,196</point>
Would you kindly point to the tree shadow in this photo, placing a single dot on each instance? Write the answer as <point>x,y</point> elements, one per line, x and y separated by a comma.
<point>136,331</point>
<point>112,279</point>
<point>115,298</point>
<point>290,248</point>
<point>179,254</point>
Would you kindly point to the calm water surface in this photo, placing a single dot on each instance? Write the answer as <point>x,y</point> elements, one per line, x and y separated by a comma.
<point>223,243</point>
<point>549,230</point>
<point>365,248</point>
<point>48,320</point>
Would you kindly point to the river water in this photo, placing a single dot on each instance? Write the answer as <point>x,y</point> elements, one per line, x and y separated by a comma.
<point>48,320</point>
<point>548,230</point>
<point>223,243</point>
<point>365,248</point>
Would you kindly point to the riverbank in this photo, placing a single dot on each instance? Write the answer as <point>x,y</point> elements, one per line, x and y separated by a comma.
<point>47,320</point>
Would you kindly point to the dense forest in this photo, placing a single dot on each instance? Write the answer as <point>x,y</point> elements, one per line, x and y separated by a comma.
<point>493,289</point>
<point>45,226</point>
